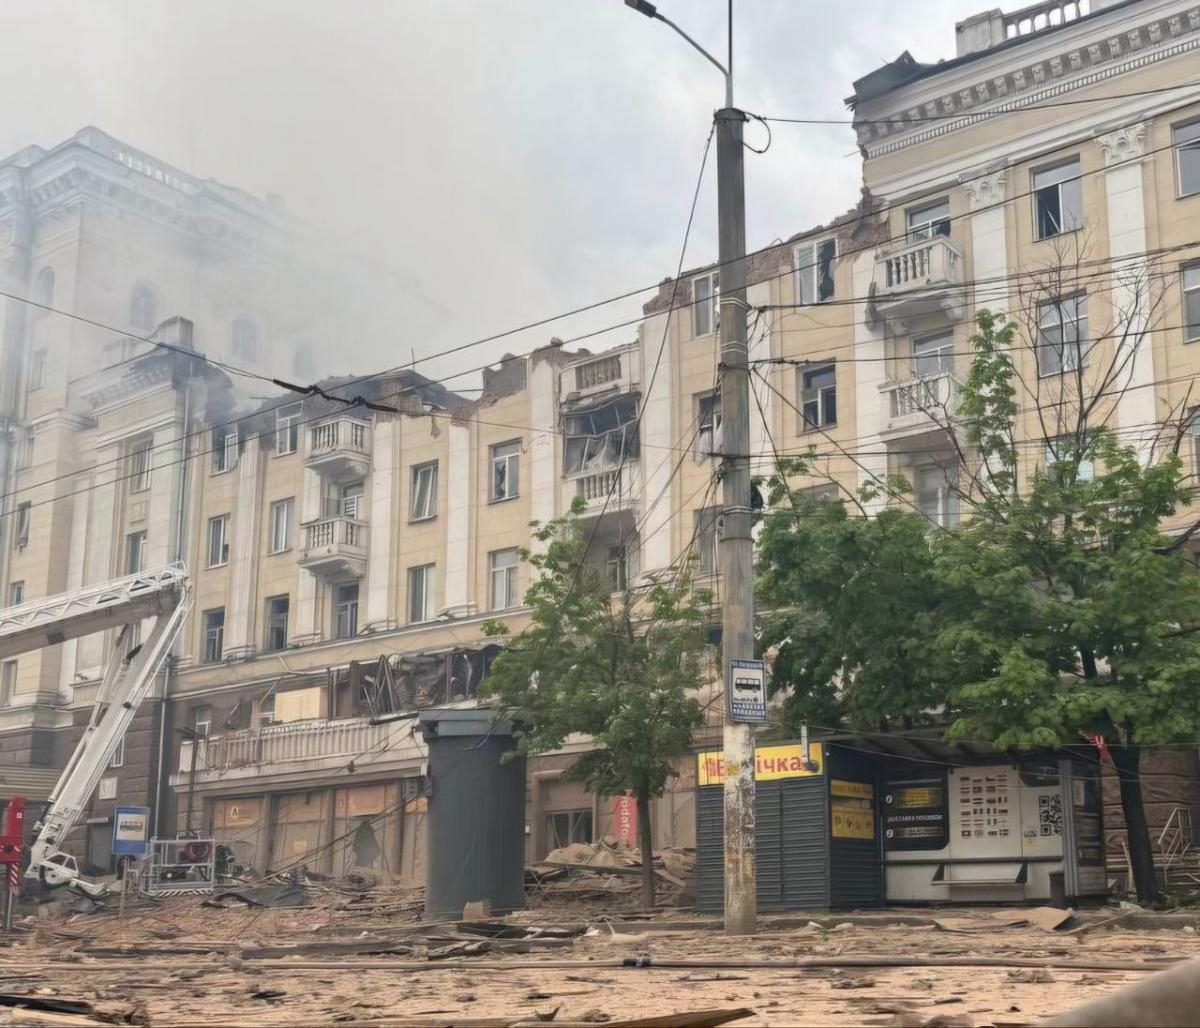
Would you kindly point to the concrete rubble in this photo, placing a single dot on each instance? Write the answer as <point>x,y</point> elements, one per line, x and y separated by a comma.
<point>366,956</point>
<point>608,875</point>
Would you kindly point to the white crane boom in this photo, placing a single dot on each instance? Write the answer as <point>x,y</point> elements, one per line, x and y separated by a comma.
<point>92,608</point>
<point>163,594</point>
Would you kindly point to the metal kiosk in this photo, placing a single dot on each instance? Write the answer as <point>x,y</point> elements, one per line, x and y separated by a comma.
<point>864,820</point>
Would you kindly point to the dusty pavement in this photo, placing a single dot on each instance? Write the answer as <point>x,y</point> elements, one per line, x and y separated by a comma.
<point>371,962</point>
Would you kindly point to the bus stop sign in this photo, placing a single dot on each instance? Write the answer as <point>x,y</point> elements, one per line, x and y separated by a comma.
<point>746,690</point>
<point>131,831</point>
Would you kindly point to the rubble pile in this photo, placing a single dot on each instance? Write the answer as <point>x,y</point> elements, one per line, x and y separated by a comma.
<point>609,875</point>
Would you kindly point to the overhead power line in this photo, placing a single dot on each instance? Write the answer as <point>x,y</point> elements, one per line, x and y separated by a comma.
<point>875,244</point>
<point>451,415</point>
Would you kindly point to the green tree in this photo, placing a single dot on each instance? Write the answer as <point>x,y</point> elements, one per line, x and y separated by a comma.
<point>1077,616</point>
<point>1055,612</point>
<point>623,670</point>
<point>849,610</point>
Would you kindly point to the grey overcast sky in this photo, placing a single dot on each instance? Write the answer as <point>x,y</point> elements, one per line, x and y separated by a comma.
<point>516,157</point>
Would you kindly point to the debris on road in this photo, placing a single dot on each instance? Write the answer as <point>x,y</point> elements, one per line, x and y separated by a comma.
<point>367,958</point>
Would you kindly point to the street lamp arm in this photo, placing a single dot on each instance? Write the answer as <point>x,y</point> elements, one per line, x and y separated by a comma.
<point>717,64</point>
<point>650,11</point>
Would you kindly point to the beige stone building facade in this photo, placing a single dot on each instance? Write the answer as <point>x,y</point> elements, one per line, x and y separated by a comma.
<point>346,547</point>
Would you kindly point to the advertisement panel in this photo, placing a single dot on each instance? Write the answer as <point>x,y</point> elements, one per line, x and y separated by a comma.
<point>851,809</point>
<point>770,763</point>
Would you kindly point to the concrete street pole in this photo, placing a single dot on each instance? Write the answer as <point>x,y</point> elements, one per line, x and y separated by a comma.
<point>736,557</point>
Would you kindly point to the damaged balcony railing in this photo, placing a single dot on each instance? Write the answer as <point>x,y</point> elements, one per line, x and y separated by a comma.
<point>294,743</point>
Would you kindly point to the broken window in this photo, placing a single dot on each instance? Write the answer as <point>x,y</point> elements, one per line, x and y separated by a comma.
<point>1057,199</point>
<point>21,535</point>
<point>601,437</point>
<point>567,826</point>
<point>224,449</point>
<point>814,271</point>
<point>506,471</point>
<point>818,396</point>
<point>423,503</point>
<point>708,418</point>
<point>706,300</point>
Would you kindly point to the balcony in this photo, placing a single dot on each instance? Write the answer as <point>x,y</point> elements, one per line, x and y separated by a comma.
<point>340,448</point>
<point>920,404</point>
<point>335,546</point>
<point>618,486</point>
<point>299,748</point>
<point>923,279</point>
<point>613,372</point>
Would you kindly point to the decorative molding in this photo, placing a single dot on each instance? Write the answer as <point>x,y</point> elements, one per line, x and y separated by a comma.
<point>883,133</point>
<point>1123,144</point>
<point>984,190</point>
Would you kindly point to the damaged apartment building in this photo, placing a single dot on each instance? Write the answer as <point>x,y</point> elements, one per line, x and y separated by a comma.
<point>347,546</point>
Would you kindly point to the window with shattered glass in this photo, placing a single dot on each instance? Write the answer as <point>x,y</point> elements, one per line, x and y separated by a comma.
<point>600,437</point>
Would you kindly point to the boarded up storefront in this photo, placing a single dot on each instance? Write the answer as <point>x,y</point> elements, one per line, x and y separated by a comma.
<point>301,831</point>
<point>366,827</point>
<point>241,825</point>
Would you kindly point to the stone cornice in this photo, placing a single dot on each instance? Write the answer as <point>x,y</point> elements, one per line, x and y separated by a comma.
<point>82,176</point>
<point>1047,76</point>
<point>126,381</point>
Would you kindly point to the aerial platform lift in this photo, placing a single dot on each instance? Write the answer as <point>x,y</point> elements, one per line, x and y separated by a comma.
<point>163,594</point>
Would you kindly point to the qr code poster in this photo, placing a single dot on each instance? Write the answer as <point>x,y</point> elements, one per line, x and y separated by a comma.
<point>1050,814</point>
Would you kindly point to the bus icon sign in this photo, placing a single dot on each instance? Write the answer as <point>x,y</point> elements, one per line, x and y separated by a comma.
<point>746,690</point>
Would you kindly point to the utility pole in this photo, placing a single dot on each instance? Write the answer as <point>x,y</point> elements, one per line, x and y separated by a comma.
<point>736,553</point>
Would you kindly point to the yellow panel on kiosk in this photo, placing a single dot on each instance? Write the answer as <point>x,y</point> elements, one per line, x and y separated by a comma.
<point>770,763</point>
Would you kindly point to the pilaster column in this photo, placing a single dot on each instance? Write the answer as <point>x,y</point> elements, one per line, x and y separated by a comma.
<point>989,239</point>
<point>247,547</point>
<point>870,373</point>
<point>460,500</point>
<point>1130,298</point>
<point>385,522</point>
